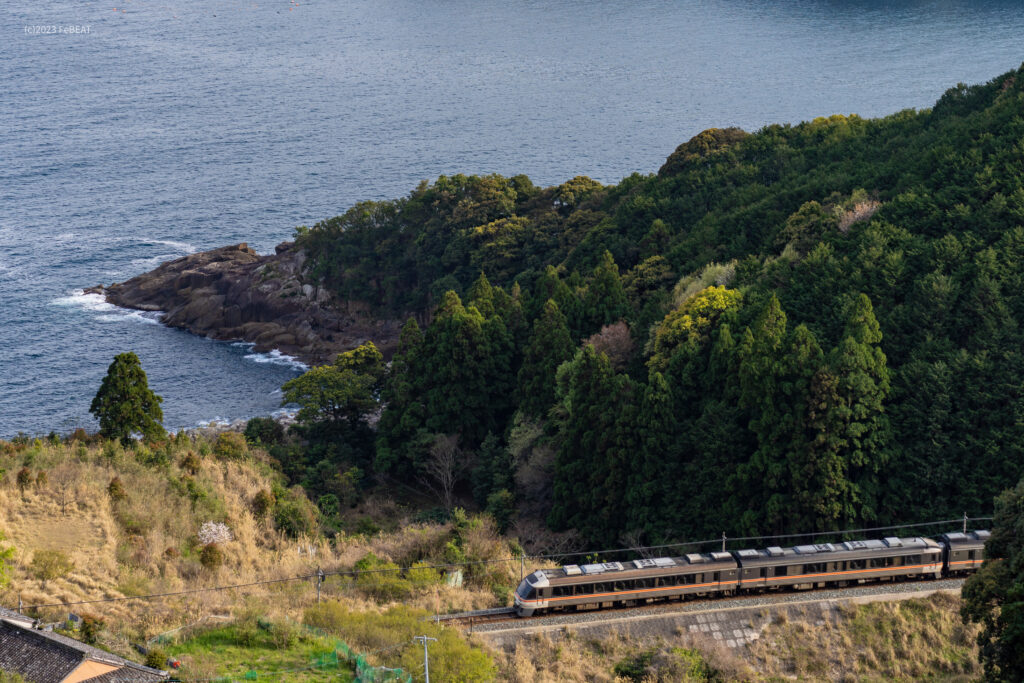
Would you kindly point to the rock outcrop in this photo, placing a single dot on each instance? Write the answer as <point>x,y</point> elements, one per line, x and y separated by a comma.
<point>234,293</point>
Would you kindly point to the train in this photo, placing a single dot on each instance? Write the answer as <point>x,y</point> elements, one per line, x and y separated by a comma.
<point>803,567</point>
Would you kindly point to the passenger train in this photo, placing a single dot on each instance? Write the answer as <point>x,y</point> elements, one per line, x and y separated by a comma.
<point>803,567</point>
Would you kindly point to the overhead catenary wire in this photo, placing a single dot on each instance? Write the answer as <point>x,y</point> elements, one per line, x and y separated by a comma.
<point>513,558</point>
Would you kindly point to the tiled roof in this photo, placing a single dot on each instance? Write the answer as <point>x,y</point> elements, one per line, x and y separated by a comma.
<point>45,657</point>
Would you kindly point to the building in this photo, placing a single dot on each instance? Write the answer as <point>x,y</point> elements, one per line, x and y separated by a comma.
<point>46,657</point>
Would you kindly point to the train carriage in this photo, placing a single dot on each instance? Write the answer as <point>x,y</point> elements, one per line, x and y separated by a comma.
<point>592,586</point>
<point>963,552</point>
<point>818,565</point>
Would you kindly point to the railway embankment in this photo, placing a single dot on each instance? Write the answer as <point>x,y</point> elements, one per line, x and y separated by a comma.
<point>896,632</point>
<point>731,622</point>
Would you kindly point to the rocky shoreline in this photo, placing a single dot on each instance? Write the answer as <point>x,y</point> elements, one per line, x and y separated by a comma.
<point>234,293</point>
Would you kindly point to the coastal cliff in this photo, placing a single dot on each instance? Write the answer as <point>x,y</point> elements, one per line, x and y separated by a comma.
<point>234,293</point>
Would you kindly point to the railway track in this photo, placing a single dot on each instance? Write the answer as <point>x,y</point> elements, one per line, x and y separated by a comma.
<point>484,619</point>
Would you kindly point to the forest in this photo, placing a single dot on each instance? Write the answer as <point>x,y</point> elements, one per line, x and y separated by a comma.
<point>806,328</point>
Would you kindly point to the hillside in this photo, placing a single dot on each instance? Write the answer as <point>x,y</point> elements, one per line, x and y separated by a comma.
<point>808,327</point>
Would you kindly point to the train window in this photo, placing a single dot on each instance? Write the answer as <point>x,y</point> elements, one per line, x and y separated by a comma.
<point>765,572</point>
<point>877,562</point>
<point>560,591</point>
<point>717,575</point>
<point>858,564</point>
<point>620,586</point>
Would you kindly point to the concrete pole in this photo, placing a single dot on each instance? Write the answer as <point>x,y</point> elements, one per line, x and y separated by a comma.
<point>426,658</point>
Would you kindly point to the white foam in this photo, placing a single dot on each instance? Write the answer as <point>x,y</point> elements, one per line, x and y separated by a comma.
<point>179,246</point>
<point>152,262</point>
<point>95,303</point>
<point>275,357</point>
<point>89,302</point>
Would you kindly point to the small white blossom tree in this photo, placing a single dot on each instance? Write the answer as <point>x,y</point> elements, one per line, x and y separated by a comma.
<point>214,533</point>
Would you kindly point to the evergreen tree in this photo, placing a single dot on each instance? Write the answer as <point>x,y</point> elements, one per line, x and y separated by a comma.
<point>401,430</point>
<point>994,597</point>
<point>124,404</point>
<point>550,345</point>
<point>588,403</point>
<point>605,301</point>
<point>861,428</point>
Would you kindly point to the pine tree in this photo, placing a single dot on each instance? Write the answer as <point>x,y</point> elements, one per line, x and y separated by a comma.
<point>550,345</point>
<point>124,404</point>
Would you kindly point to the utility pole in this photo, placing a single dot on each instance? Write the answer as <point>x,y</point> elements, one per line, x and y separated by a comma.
<point>965,522</point>
<point>426,658</point>
<point>723,541</point>
<point>319,581</point>
<point>522,566</point>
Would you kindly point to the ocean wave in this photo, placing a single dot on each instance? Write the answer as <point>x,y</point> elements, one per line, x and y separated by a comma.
<point>275,357</point>
<point>151,262</point>
<point>179,246</point>
<point>96,303</point>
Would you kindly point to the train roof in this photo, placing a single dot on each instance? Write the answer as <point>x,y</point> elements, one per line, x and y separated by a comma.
<point>649,566</point>
<point>974,538</point>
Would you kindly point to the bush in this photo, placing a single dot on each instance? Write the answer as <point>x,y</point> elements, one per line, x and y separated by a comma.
<point>42,479</point>
<point>295,516</point>
<point>24,479</point>
<point>156,658</point>
<point>420,574</point>
<point>451,657</point>
<point>50,564</point>
<point>380,579</point>
<point>190,463</point>
<point>116,490</point>
<point>211,556</point>
<point>90,628</point>
<point>262,503</point>
<point>263,430</point>
<point>230,446</point>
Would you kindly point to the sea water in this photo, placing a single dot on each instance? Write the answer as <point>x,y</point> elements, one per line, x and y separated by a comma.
<point>136,131</point>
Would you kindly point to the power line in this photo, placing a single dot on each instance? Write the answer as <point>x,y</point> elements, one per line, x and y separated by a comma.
<point>319,574</point>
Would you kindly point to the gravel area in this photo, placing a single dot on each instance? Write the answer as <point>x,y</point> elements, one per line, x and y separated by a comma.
<point>718,604</point>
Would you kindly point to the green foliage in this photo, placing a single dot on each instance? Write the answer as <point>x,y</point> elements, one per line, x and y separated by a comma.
<point>264,431</point>
<point>692,322</point>
<point>634,668</point>
<point>116,490</point>
<point>262,503</point>
<point>156,658</point>
<point>230,446</point>
<point>295,515</point>
<point>549,346</point>
<point>90,628</point>
<point>381,579</point>
<point>24,479</point>
<point>124,404</point>
<point>6,555</point>
<point>50,564</point>
<point>994,597</point>
<point>211,556</point>
<point>451,657</point>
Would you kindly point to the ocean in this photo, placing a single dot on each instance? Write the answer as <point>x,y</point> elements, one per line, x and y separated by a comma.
<point>132,132</point>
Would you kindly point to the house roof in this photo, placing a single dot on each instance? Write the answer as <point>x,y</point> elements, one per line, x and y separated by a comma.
<point>46,657</point>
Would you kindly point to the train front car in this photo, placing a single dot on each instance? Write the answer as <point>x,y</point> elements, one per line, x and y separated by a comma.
<point>964,553</point>
<point>612,584</point>
<point>529,595</point>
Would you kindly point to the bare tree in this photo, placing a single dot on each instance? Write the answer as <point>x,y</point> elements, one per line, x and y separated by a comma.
<point>444,466</point>
<point>63,484</point>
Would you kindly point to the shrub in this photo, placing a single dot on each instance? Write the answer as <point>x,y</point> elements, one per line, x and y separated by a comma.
<point>42,479</point>
<point>116,490</point>
<point>50,564</point>
<point>634,667</point>
<point>380,579</point>
<point>420,574</point>
<point>211,556</point>
<point>263,430</point>
<point>90,628</point>
<point>156,658</point>
<point>230,446</point>
<point>190,463</point>
<point>24,479</point>
<point>451,657</point>
<point>262,503</point>
<point>295,516</point>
